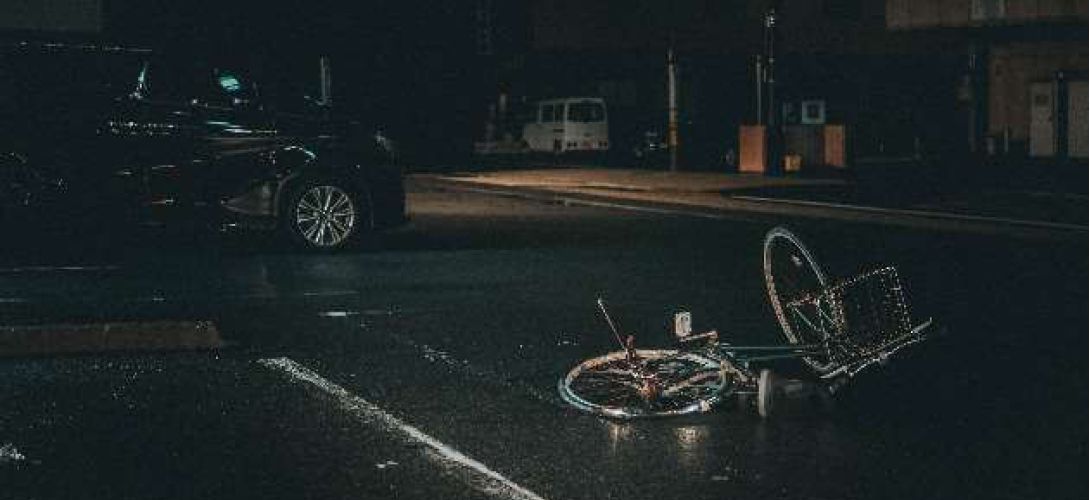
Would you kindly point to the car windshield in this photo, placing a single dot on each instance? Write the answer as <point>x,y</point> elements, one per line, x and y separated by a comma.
<point>586,112</point>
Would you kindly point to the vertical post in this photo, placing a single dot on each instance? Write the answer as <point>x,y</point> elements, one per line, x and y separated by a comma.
<point>760,72</point>
<point>326,81</point>
<point>1062,103</point>
<point>501,116</point>
<point>671,123</point>
<point>773,163</point>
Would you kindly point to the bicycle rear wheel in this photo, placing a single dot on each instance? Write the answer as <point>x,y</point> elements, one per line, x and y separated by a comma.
<point>682,383</point>
<point>791,274</point>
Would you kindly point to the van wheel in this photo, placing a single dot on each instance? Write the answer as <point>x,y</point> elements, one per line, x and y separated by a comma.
<point>323,214</point>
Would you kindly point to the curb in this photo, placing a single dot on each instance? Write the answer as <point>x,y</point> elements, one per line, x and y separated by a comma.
<point>732,207</point>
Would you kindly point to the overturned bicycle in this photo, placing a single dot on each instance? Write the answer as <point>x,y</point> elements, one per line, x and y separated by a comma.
<point>837,329</point>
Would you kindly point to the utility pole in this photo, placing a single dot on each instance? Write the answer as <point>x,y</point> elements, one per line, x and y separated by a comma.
<point>759,70</point>
<point>325,79</point>
<point>671,123</point>
<point>773,136</point>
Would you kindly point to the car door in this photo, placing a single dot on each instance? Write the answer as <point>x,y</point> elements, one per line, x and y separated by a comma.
<point>205,140</point>
<point>155,134</point>
<point>236,138</point>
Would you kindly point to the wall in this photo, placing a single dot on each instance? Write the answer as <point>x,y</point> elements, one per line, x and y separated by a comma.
<point>917,14</point>
<point>1013,67</point>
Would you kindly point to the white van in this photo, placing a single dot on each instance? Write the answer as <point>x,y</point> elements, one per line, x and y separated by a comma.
<point>568,124</point>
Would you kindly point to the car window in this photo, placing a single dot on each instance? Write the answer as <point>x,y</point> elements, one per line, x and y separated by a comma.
<point>229,88</point>
<point>193,83</point>
<point>162,81</point>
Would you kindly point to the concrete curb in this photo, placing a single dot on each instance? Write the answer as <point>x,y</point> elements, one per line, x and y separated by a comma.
<point>731,207</point>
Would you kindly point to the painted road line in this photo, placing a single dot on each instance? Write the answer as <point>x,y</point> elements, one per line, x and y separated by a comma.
<point>486,481</point>
<point>337,314</point>
<point>920,213</point>
<point>370,313</point>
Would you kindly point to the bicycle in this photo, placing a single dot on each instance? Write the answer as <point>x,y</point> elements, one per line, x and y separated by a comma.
<point>837,330</point>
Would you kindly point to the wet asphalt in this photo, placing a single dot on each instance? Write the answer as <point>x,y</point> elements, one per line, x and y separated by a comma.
<point>424,365</point>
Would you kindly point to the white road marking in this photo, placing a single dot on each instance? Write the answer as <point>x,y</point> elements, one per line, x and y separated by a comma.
<point>366,313</point>
<point>490,482</point>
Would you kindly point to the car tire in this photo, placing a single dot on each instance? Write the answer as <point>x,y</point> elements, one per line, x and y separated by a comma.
<point>325,214</point>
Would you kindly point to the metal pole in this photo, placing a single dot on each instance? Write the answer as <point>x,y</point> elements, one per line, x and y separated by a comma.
<point>326,81</point>
<point>671,124</point>
<point>772,125</point>
<point>760,71</point>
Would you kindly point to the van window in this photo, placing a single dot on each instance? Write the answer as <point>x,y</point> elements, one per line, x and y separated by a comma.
<point>586,112</point>
<point>547,113</point>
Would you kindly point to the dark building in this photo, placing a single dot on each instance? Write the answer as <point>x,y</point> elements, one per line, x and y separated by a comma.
<point>913,80</point>
<point>909,79</point>
<point>1026,72</point>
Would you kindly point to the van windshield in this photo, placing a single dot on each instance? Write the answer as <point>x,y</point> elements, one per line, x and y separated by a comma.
<point>586,112</point>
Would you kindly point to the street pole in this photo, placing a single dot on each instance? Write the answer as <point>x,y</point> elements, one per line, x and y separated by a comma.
<point>760,72</point>
<point>325,81</point>
<point>772,126</point>
<point>671,123</point>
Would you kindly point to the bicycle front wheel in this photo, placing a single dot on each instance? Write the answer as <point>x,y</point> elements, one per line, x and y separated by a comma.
<point>792,273</point>
<point>659,383</point>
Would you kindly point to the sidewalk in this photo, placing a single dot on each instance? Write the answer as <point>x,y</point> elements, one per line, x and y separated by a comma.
<point>893,200</point>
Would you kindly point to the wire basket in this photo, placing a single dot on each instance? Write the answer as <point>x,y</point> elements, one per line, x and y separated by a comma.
<point>865,314</point>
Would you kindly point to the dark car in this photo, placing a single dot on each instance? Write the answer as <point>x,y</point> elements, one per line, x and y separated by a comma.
<point>123,135</point>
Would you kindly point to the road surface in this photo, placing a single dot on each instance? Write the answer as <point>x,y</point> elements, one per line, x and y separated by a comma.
<point>425,365</point>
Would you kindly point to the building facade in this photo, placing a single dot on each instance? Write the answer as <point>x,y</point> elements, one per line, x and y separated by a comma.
<point>1026,74</point>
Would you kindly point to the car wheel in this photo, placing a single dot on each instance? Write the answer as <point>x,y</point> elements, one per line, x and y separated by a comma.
<point>324,214</point>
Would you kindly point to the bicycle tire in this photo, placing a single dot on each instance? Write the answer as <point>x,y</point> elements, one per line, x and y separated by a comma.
<point>766,393</point>
<point>791,272</point>
<point>605,385</point>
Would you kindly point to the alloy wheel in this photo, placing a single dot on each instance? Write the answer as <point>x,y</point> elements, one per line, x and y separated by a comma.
<point>325,216</point>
